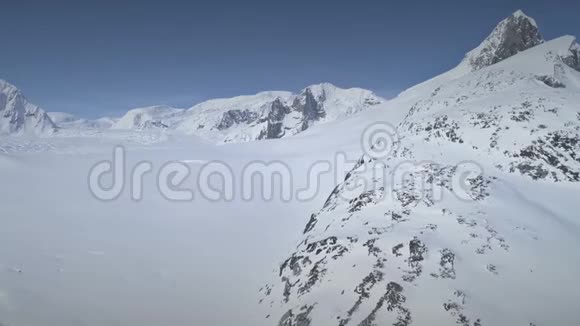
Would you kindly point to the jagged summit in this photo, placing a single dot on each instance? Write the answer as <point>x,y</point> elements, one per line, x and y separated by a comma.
<point>18,116</point>
<point>516,33</point>
<point>520,14</point>
<point>513,35</point>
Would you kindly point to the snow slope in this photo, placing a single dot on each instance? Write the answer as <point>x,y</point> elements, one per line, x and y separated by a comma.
<point>18,116</point>
<point>68,259</point>
<point>469,216</point>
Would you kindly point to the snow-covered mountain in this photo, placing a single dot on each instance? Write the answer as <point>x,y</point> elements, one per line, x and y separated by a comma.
<point>159,117</point>
<point>18,116</point>
<point>512,35</point>
<point>469,218</point>
<point>240,118</point>
<point>266,115</point>
<point>516,33</point>
<point>271,115</point>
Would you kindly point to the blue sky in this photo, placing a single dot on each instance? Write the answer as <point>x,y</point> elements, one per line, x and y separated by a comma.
<point>96,58</point>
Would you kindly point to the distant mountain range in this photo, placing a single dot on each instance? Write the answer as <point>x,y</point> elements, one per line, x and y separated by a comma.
<point>266,115</point>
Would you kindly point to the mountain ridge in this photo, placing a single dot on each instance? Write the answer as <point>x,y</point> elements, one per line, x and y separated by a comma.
<point>265,115</point>
<point>454,225</point>
<point>18,116</point>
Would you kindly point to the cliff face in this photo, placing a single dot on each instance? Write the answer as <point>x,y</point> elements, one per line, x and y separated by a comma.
<point>514,34</point>
<point>18,116</point>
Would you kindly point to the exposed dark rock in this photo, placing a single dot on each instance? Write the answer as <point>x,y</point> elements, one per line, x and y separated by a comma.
<point>293,263</point>
<point>373,250</point>
<point>394,300</point>
<point>155,124</point>
<point>332,200</point>
<point>522,113</point>
<point>416,250</point>
<point>536,172</point>
<point>300,319</point>
<point>396,217</point>
<point>396,249</point>
<point>478,187</point>
<point>573,60</point>
<point>442,127</point>
<point>366,198</point>
<point>310,107</point>
<point>484,120</point>
<point>363,290</point>
<point>511,36</point>
<point>275,120</point>
<point>558,150</point>
<point>551,81</point>
<point>231,117</point>
<point>491,268</point>
<point>327,246</point>
<point>311,224</point>
<point>316,273</point>
<point>447,263</point>
<point>455,308</point>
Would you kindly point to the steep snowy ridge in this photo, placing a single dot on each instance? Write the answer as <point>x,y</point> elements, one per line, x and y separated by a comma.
<point>19,117</point>
<point>515,34</point>
<point>464,220</point>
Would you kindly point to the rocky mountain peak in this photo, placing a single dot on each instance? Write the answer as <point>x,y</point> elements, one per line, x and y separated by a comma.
<point>310,105</point>
<point>18,116</point>
<point>573,58</point>
<point>516,33</point>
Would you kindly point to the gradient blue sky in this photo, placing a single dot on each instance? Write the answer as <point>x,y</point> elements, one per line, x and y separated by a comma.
<point>96,58</point>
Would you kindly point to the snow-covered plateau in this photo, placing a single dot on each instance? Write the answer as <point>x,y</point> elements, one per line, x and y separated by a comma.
<point>461,210</point>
